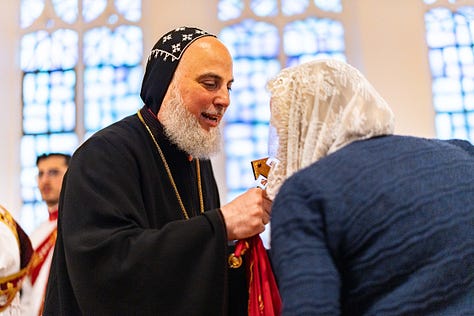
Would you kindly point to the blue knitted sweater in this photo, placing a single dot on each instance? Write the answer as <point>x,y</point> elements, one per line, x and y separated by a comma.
<point>383,226</point>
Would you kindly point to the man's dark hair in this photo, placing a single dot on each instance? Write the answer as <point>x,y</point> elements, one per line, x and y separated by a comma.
<point>66,157</point>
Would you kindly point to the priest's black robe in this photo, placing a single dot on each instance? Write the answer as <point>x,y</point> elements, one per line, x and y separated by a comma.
<point>124,246</point>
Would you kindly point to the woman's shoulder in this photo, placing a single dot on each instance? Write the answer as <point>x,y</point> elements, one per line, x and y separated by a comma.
<point>463,144</point>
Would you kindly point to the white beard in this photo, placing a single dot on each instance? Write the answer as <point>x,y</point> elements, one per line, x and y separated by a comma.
<point>184,130</point>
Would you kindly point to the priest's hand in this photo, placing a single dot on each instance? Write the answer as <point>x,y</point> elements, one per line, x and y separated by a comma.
<point>247,215</point>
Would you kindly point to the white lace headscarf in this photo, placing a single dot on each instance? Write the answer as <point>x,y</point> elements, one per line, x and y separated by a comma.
<point>317,108</point>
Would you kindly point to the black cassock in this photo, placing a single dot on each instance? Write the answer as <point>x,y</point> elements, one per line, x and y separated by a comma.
<point>124,247</point>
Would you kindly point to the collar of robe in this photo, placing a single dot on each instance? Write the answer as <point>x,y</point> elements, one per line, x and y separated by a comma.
<point>53,215</point>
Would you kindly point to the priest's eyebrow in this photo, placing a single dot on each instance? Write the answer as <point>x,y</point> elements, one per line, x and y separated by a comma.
<point>216,77</point>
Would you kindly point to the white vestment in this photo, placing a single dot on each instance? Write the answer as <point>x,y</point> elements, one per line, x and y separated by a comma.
<point>9,265</point>
<point>33,293</point>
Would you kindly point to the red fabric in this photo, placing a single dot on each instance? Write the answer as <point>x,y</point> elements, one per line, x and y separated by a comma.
<point>53,215</point>
<point>40,255</point>
<point>264,297</point>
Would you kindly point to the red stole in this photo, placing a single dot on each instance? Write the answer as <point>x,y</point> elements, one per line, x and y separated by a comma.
<point>53,215</point>
<point>41,253</point>
<point>264,296</point>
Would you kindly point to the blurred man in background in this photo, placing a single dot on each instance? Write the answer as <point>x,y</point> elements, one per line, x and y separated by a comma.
<point>51,170</point>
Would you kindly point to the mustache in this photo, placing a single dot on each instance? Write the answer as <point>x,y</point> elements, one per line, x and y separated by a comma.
<point>215,110</point>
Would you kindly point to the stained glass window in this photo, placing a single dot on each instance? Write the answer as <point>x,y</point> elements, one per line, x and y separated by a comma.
<point>450,40</point>
<point>254,47</point>
<point>112,74</point>
<point>260,48</point>
<point>292,7</point>
<point>264,7</point>
<point>229,9</point>
<point>130,9</point>
<point>66,9</point>
<point>44,51</point>
<point>30,11</point>
<point>76,80</point>
<point>329,5</point>
<point>91,9</point>
<point>312,38</point>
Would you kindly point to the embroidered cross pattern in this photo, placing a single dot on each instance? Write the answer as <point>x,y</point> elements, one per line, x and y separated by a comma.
<point>173,45</point>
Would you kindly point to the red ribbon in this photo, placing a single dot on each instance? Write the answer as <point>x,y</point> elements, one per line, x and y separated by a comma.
<point>40,255</point>
<point>264,297</point>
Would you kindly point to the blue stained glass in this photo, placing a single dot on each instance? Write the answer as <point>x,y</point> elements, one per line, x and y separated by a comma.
<point>460,132</point>
<point>467,14</point>
<point>470,121</point>
<point>122,46</point>
<point>447,85</point>
<point>30,10</point>
<point>264,7</point>
<point>462,35</point>
<point>468,85</point>
<point>292,7</point>
<point>112,79</point>
<point>329,5</point>
<point>459,123</point>
<point>233,179</point>
<point>251,39</point>
<point>312,38</point>
<point>49,59</point>
<point>35,120</point>
<point>450,41</point>
<point>443,125</point>
<point>255,50</point>
<point>436,62</point>
<point>43,51</point>
<point>67,10</point>
<point>110,94</point>
<point>469,102</point>
<point>34,145</point>
<point>448,102</point>
<point>229,9</point>
<point>440,24</point>
<point>49,104</point>
<point>130,38</point>
<point>28,177</point>
<point>97,46</point>
<point>28,151</point>
<point>130,9</point>
<point>450,55</point>
<point>466,57</point>
<point>244,143</point>
<point>91,9</point>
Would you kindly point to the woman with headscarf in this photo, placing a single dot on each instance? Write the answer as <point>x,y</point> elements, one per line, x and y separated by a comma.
<point>365,222</point>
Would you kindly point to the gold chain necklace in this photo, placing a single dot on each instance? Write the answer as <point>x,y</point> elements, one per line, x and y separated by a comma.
<point>170,176</point>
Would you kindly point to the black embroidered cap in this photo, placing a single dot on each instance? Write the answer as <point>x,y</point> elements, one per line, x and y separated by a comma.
<point>163,61</point>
